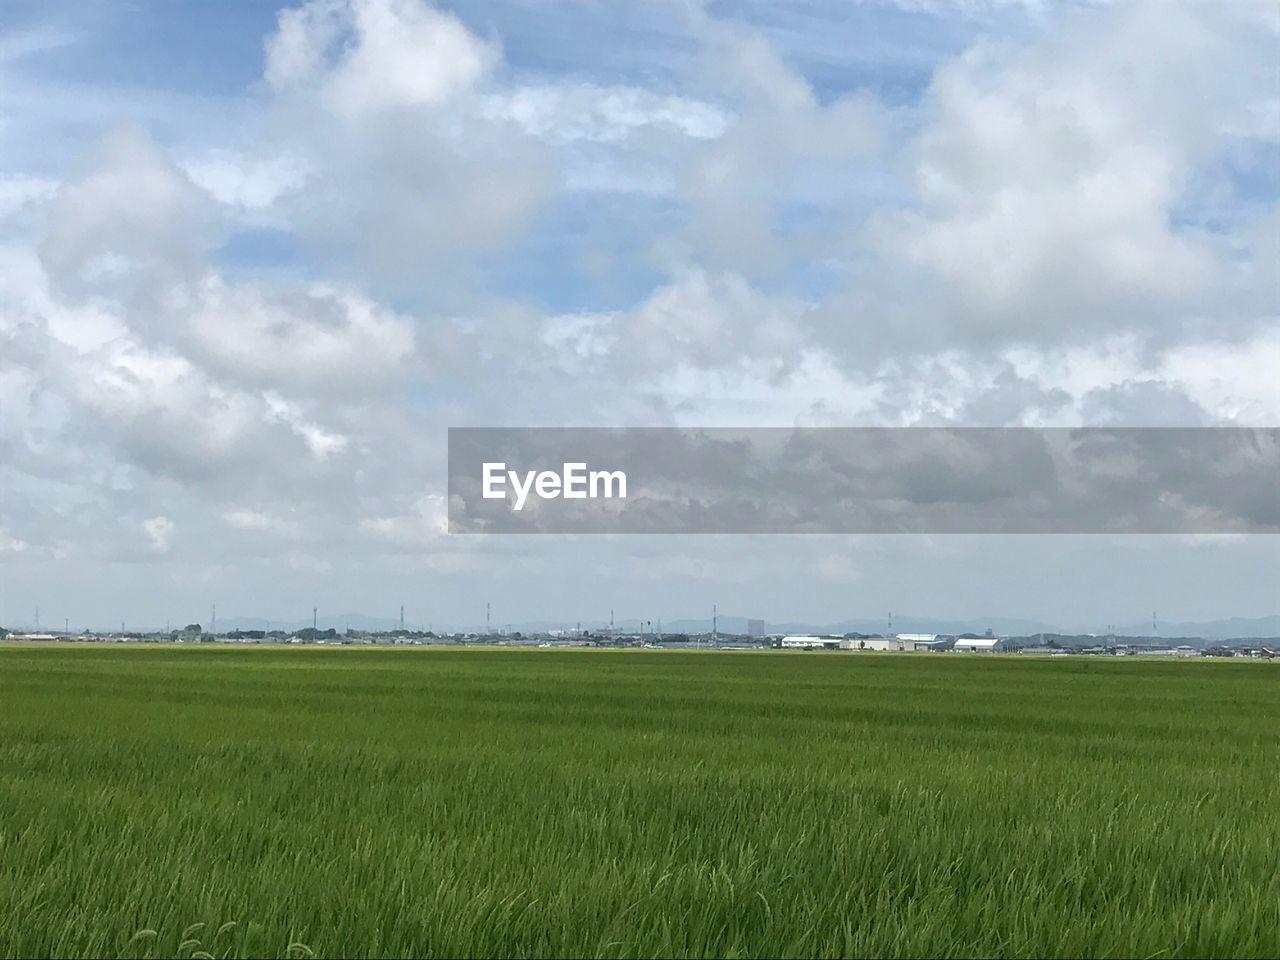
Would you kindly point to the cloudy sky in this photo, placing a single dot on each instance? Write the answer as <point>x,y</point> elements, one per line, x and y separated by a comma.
<point>256,259</point>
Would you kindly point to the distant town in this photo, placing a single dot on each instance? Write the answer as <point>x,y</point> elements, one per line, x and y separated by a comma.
<point>756,638</point>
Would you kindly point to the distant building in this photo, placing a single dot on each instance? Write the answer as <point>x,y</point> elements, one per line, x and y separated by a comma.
<point>807,642</point>
<point>755,628</point>
<point>892,644</point>
<point>916,638</point>
<point>899,643</point>
<point>922,641</point>
<point>979,645</point>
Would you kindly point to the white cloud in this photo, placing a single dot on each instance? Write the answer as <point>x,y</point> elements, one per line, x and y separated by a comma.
<point>130,216</point>
<point>255,521</point>
<point>1046,200</point>
<point>368,55</point>
<point>1057,193</point>
<point>320,337</point>
<point>425,526</point>
<point>168,417</point>
<point>566,113</point>
<point>19,193</point>
<point>10,544</point>
<point>159,531</point>
<point>740,185</point>
<point>699,320</point>
<point>250,183</point>
<point>378,101</point>
<point>321,443</point>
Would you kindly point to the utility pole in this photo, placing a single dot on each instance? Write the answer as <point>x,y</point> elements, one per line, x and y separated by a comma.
<point>890,633</point>
<point>402,617</point>
<point>487,612</point>
<point>66,626</point>
<point>314,620</point>
<point>715,626</point>
<point>213,619</point>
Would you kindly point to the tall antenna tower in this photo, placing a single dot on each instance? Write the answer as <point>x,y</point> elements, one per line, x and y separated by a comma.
<point>715,625</point>
<point>213,619</point>
<point>890,624</point>
<point>611,623</point>
<point>1155,630</point>
<point>314,621</point>
<point>402,616</point>
<point>487,612</point>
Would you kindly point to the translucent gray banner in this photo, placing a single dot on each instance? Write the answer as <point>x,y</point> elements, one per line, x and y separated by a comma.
<point>864,480</point>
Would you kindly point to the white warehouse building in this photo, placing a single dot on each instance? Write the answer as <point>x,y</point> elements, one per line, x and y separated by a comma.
<point>979,645</point>
<point>878,643</point>
<point>808,642</point>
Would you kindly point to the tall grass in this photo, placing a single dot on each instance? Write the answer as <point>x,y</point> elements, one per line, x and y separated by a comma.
<point>231,802</point>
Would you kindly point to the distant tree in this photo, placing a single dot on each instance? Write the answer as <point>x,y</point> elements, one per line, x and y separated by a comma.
<point>194,629</point>
<point>3,633</point>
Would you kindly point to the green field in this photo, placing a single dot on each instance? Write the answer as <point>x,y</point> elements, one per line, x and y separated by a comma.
<point>271,802</point>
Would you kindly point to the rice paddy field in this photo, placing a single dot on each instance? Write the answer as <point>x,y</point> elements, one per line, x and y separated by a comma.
<point>180,801</point>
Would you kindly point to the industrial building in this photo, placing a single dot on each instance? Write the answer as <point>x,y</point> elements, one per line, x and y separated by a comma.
<point>903,642</point>
<point>921,641</point>
<point>978,645</point>
<point>877,643</point>
<point>807,642</point>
